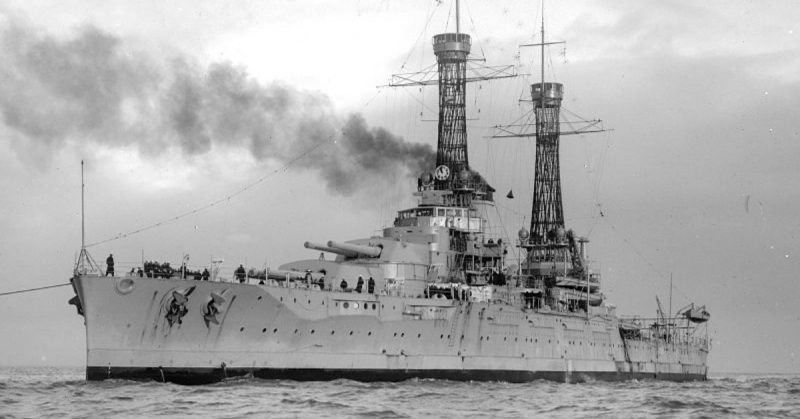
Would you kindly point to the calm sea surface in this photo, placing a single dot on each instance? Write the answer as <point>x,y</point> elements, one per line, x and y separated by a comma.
<point>62,392</point>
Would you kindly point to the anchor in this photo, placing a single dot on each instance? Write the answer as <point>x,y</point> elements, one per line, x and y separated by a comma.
<point>176,308</point>
<point>212,308</point>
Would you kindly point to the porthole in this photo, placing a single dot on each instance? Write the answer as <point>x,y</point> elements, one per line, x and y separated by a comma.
<point>441,336</point>
<point>312,331</point>
<point>374,306</point>
<point>259,298</point>
<point>402,335</point>
<point>351,333</point>
<point>337,304</point>
<point>395,334</point>
<point>281,298</point>
<point>419,335</point>
<point>309,301</point>
<point>333,331</point>
<point>241,329</point>
<point>264,330</point>
<point>346,305</point>
<point>369,333</point>
<point>295,300</point>
<point>355,305</point>
<point>275,330</point>
<point>295,331</point>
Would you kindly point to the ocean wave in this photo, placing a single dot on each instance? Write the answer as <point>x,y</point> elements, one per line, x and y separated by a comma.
<point>34,393</point>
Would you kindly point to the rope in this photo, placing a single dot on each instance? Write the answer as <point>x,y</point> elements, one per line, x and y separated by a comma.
<point>34,289</point>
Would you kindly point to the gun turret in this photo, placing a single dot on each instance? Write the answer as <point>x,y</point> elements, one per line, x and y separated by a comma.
<point>368,251</point>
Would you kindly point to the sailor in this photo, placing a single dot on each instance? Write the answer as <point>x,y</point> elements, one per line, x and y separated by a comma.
<point>110,265</point>
<point>204,276</point>
<point>371,285</point>
<point>140,272</point>
<point>343,285</point>
<point>240,274</point>
<point>359,284</point>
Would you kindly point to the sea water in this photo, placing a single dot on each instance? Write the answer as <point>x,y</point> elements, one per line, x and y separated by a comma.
<point>63,392</point>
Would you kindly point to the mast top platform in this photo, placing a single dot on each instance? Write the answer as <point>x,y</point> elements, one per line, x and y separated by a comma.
<point>451,43</point>
<point>552,93</point>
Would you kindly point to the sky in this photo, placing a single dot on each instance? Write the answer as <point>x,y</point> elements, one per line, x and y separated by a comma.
<point>238,130</point>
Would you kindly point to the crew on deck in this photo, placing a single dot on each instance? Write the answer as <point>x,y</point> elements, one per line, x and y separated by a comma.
<point>240,274</point>
<point>110,265</point>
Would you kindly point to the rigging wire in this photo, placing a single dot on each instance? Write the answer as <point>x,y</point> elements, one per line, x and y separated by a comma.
<point>475,30</point>
<point>423,32</point>
<point>598,183</point>
<point>34,289</point>
<point>646,261</point>
<point>283,168</point>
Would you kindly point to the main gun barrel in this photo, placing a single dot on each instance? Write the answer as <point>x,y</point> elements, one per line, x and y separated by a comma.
<point>368,251</point>
<point>323,248</point>
<point>294,275</point>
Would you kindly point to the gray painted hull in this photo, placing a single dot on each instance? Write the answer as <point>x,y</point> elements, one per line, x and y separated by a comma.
<point>268,331</point>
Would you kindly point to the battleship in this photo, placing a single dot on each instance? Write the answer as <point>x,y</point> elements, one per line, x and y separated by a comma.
<point>433,296</point>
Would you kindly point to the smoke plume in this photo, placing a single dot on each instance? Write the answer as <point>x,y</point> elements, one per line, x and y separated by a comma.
<point>94,88</point>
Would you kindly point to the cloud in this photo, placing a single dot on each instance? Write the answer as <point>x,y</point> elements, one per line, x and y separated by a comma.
<point>93,90</point>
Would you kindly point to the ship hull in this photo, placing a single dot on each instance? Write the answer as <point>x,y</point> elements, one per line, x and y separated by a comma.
<point>164,330</point>
<point>198,376</point>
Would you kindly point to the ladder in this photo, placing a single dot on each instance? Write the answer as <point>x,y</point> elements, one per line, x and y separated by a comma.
<point>454,325</point>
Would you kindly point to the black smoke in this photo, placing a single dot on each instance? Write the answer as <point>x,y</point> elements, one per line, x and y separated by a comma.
<point>94,88</point>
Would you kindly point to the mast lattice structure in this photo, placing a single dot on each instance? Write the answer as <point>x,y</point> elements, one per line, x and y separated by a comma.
<point>451,51</point>
<point>452,73</point>
<point>547,213</point>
